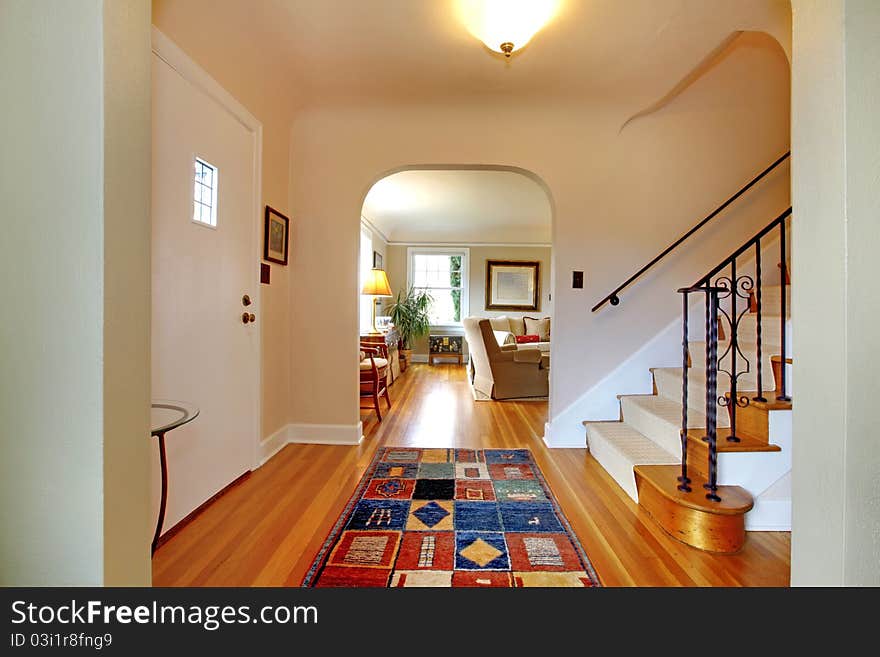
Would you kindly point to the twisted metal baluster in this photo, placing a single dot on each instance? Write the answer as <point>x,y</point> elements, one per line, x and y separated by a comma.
<point>711,395</point>
<point>684,480</point>
<point>706,283</point>
<point>759,341</point>
<point>782,271</point>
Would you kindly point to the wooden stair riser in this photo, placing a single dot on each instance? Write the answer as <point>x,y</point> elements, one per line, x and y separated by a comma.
<point>752,421</point>
<point>704,531</point>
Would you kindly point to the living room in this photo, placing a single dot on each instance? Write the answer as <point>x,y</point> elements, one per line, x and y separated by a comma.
<point>474,244</point>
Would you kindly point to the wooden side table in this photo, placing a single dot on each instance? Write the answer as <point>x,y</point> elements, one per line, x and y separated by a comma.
<point>443,346</point>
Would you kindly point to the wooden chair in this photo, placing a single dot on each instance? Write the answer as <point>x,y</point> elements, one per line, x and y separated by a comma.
<point>374,375</point>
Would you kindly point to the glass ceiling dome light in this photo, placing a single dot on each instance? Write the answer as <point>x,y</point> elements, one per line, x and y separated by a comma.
<point>506,25</point>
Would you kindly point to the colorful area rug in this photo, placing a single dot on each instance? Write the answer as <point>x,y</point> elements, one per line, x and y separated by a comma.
<point>452,517</point>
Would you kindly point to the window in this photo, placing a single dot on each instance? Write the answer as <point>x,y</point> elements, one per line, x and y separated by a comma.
<point>443,273</point>
<point>205,194</point>
<point>366,263</point>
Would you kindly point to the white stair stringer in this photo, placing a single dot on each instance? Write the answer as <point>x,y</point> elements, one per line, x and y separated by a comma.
<point>758,472</point>
<point>619,448</point>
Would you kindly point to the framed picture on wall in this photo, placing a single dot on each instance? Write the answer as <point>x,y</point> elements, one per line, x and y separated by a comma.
<point>276,236</point>
<point>377,260</point>
<point>512,285</point>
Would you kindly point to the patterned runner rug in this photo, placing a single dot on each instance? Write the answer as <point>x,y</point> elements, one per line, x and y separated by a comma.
<point>452,517</point>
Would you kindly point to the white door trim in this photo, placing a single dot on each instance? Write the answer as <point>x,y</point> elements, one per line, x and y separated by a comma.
<point>170,53</point>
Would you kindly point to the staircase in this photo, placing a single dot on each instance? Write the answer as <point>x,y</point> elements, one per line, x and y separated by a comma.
<point>704,466</point>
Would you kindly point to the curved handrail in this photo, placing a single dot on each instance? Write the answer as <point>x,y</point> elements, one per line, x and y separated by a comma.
<point>614,300</point>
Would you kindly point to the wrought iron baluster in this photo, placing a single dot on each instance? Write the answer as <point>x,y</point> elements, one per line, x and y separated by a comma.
<point>734,346</point>
<point>783,270</point>
<point>707,285</point>
<point>760,397</point>
<point>711,393</point>
<point>684,480</point>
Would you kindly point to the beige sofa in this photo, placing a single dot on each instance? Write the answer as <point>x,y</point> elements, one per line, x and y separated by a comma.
<point>506,330</point>
<point>503,372</point>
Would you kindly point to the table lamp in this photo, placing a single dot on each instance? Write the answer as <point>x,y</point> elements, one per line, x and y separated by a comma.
<point>376,285</point>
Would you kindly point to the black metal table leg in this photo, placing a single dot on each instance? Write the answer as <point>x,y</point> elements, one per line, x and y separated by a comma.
<point>164,466</point>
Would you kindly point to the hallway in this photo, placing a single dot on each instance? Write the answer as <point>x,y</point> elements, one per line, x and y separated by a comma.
<point>266,530</point>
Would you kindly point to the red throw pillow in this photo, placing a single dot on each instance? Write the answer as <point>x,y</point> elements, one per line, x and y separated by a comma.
<point>520,339</point>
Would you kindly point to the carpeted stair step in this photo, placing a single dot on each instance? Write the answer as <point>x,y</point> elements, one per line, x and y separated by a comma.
<point>697,351</point>
<point>771,295</point>
<point>747,333</point>
<point>668,382</point>
<point>659,419</point>
<point>619,448</point>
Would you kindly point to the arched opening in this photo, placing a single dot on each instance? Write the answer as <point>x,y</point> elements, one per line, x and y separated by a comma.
<point>471,242</point>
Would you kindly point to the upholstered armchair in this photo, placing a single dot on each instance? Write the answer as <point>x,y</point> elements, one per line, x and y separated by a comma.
<point>504,372</point>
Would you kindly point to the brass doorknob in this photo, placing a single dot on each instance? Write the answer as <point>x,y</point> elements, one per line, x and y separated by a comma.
<point>245,318</point>
<point>245,300</point>
<point>253,317</point>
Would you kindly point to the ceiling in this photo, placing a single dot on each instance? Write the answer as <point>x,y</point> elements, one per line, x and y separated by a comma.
<point>358,51</point>
<point>471,206</point>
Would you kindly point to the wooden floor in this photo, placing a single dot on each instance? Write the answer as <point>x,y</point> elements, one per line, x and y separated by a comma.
<point>266,530</point>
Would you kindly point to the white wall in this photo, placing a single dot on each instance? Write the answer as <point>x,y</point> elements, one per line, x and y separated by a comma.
<point>835,182</point>
<point>617,197</point>
<point>219,37</point>
<point>74,259</point>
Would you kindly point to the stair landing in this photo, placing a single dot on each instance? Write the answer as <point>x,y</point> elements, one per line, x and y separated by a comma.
<point>690,517</point>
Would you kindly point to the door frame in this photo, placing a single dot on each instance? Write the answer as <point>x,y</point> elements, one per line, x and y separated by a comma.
<point>170,53</point>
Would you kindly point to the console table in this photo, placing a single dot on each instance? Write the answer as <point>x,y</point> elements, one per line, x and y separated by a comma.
<point>389,338</point>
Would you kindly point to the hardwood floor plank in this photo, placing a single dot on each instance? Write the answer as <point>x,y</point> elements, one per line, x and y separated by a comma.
<point>267,530</point>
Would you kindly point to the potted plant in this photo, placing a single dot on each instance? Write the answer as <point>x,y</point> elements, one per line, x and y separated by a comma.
<point>409,313</point>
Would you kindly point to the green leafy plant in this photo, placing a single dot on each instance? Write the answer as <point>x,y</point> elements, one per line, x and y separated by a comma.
<point>409,313</point>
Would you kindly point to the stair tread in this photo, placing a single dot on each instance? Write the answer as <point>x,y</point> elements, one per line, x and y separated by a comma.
<point>772,404</point>
<point>697,376</point>
<point>665,409</point>
<point>631,444</point>
<point>747,443</point>
<point>735,500</point>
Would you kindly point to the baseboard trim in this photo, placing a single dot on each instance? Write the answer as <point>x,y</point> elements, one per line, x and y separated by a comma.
<point>567,442</point>
<point>169,533</point>
<point>326,434</point>
<point>270,446</point>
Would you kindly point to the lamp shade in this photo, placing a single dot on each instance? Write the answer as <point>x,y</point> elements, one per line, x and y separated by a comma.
<point>377,284</point>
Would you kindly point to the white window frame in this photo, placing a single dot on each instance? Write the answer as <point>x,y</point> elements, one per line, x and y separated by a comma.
<point>215,184</point>
<point>465,253</point>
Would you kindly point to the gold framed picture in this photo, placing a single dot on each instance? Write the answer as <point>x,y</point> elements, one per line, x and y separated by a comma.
<point>512,285</point>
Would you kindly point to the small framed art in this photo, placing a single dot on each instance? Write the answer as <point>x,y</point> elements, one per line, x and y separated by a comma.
<point>276,236</point>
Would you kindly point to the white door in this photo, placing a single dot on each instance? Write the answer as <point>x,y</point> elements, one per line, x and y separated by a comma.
<point>202,352</point>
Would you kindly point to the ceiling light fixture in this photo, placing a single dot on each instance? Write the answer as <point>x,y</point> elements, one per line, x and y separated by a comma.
<point>505,26</point>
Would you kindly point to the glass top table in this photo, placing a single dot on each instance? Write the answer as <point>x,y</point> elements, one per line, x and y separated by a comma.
<point>166,415</point>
